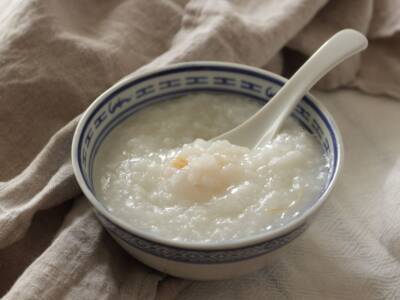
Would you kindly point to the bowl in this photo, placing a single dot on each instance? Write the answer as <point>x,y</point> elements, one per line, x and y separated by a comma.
<point>197,260</point>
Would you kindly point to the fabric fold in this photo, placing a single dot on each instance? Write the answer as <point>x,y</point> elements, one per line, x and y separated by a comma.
<point>56,57</point>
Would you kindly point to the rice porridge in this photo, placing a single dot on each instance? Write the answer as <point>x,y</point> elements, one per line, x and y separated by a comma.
<point>157,172</point>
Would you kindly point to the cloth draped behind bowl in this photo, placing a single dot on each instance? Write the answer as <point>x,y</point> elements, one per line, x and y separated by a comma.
<point>57,56</point>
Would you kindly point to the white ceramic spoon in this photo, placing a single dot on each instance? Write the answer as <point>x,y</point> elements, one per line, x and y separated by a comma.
<point>263,125</point>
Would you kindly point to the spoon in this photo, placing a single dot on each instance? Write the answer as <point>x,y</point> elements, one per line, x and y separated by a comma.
<point>264,124</point>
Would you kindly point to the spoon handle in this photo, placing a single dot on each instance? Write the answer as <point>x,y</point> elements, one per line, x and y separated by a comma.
<point>338,48</point>
<point>263,125</point>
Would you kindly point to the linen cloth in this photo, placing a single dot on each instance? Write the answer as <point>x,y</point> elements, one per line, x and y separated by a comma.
<point>57,56</point>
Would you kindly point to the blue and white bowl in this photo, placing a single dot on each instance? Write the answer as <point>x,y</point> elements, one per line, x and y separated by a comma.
<point>183,259</point>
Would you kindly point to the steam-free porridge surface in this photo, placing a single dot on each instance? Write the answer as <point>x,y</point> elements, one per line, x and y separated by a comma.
<point>157,172</point>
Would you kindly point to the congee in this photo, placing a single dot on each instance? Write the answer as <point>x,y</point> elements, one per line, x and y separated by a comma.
<point>158,172</point>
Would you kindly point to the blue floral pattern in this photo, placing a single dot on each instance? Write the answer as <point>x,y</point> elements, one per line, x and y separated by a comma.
<point>200,256</point>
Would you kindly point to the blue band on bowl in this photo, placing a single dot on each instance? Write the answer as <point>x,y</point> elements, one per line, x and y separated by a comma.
<point>194,256</point>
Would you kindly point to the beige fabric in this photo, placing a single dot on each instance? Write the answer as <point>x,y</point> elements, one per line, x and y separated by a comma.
<point>56,56</point>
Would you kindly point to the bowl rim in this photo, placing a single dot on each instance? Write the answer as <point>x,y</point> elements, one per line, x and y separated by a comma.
<point>201,246</point>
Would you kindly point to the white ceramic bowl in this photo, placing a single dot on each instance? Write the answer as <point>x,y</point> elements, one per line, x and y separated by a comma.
<point>183,259</point>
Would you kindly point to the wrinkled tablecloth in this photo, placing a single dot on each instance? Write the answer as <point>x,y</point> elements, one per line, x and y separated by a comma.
<point>57,56</point>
